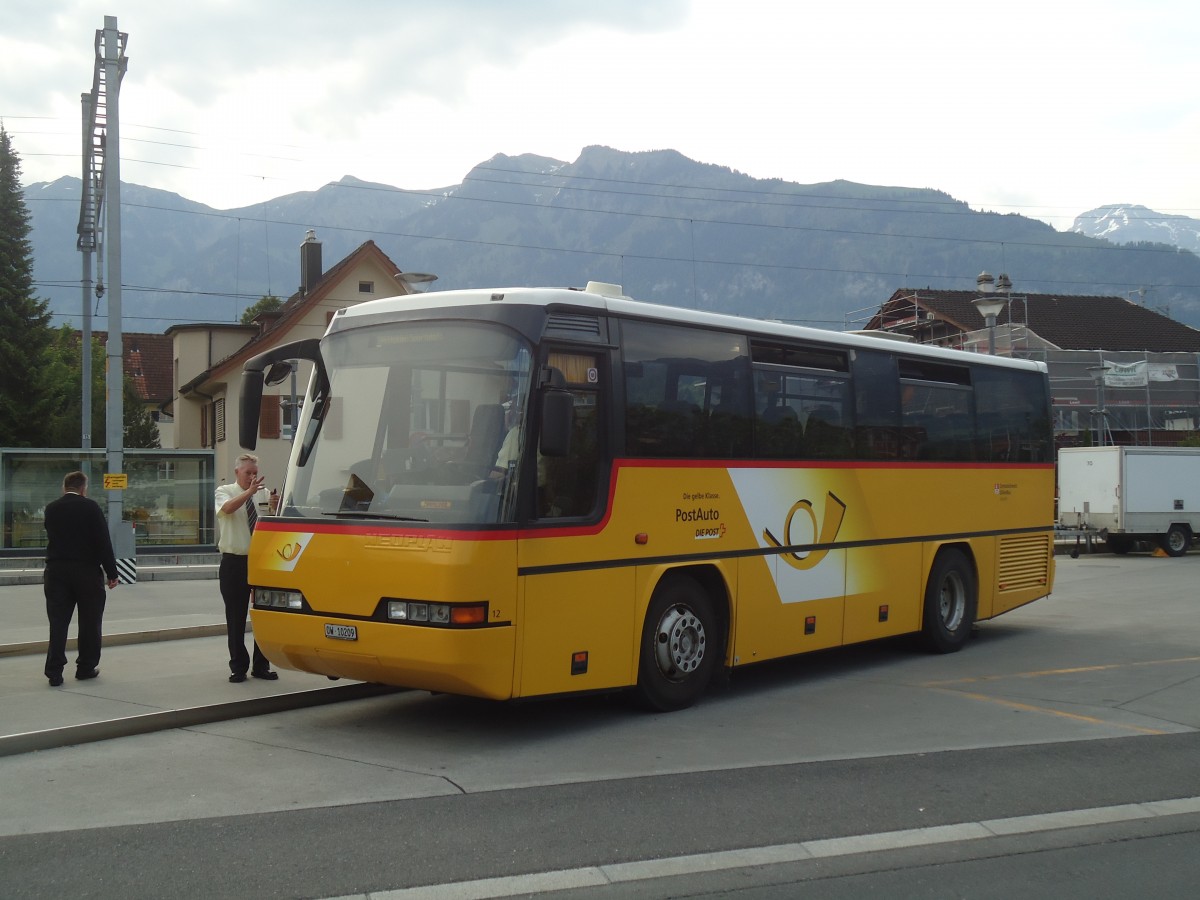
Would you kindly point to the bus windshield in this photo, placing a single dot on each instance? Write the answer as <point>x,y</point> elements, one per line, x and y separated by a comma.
<point>424,422</point>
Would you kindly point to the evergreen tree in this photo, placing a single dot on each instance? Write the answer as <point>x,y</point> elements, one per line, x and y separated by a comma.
<point>141,431</point>
<point>64,373</point>
<point>26,409</point>
<point>266,303</point>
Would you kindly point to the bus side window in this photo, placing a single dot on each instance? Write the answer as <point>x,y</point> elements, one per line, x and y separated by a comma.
<point>941,420</point>
<point>877,407</point>
<point>569,486</point>
<point>825,435</point>
<point>778,433</point>
<point>1009,425</point>
<point>686,392</point>
<point>728,408</point>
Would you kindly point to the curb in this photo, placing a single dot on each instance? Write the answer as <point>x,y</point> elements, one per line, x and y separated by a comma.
<point>90,732</point>
<point>165,573</point>
<point>121,639</point>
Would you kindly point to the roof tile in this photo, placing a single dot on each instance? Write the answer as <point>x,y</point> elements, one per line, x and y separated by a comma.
<point>1070,322</point>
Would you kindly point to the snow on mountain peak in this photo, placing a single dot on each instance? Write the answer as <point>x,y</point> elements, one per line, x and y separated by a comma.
<point>1128,223</point>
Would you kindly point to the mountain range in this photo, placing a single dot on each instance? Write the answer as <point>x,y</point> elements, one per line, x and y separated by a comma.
<point>1131,224</point>
<point>667,228</point>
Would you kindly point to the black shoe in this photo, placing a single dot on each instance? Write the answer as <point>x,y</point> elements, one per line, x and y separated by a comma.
<point>55,680</point>
<point>85,674</point>
<point>237,677</point>
<point>266,675</point>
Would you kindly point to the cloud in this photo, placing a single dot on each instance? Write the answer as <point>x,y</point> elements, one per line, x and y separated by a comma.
<point>232,102</point>
<point>379,47</point>
<point>248,89</point>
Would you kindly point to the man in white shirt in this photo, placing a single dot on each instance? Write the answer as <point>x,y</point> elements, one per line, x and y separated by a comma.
<point>236,517</point>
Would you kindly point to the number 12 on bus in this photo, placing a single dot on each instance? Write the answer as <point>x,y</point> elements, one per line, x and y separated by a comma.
<point>534,492</point>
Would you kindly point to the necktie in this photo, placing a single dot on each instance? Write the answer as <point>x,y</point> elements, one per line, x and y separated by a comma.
<point>251,514</point>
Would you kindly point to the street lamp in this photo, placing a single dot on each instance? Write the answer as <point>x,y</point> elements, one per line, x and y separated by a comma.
<point>989,305</point>
<point>416,282</point>
<point>1101,414</point>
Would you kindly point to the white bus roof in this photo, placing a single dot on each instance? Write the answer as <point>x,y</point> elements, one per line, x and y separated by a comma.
<point>611,302</point>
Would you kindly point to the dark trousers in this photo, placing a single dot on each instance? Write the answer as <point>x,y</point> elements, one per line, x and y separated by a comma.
<point>67,585</point>
<point>235,591</point>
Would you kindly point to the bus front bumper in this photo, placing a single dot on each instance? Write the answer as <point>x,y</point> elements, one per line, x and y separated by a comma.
<point>476,662</point>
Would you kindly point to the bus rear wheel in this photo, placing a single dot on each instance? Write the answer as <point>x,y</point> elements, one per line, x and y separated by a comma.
<point>680,645</point>
<point>951,601</point>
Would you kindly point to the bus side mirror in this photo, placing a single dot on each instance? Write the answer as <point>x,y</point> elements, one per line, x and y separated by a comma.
<point>252,388</point>
<point>278,365</point>
<point>558,413</point>
<point>279,372</point>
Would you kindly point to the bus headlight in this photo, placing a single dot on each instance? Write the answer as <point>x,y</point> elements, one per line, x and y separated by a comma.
<point>271,598</point>
<point>446,615</point>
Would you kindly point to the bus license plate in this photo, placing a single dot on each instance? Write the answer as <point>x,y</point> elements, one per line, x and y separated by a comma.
<point>342,632</point>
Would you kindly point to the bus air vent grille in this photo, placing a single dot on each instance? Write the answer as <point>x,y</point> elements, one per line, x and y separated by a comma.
<point>578,326</point>
<point>1024,562</point>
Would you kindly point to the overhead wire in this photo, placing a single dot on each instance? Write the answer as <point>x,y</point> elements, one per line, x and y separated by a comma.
<point>788,199</point>
<point>857,232</point>
<point>126,138</point>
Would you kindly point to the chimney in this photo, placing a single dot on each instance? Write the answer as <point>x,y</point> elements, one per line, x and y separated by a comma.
<point>310,261</point>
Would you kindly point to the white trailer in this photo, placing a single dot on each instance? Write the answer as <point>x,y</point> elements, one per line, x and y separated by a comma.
<point>1128,494</point>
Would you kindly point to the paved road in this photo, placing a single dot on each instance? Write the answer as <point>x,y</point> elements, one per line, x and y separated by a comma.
<point>1089,700</point>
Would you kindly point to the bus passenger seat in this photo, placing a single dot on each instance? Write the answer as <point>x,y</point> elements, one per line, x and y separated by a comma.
<point>824,435</point>
<point>774,414</point>
<point>678,422</point>
<point>487,433</point>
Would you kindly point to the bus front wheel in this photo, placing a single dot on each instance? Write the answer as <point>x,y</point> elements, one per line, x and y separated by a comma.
<point>951,599</point>
<point>680,645</point>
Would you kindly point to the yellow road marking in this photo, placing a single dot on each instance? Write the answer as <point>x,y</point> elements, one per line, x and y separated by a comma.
<point>1027,707</point>
<point>1072,671</point>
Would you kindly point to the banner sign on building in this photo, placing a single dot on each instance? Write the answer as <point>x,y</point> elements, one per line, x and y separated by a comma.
<point>1138,374</point>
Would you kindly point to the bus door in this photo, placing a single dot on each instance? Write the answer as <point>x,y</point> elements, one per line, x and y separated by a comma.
<point>576,610</point>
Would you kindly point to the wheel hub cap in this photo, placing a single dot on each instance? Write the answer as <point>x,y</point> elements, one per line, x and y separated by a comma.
<point>953,603</point>
<point>679,643</point>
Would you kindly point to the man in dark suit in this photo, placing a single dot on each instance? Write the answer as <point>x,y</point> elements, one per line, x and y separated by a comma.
<point>79,547</point>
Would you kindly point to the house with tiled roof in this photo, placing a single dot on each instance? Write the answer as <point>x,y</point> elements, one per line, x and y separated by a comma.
<point>147,361</point>
<point>208,359</point>
<point>1120,372</point>
<point>1064,322</point>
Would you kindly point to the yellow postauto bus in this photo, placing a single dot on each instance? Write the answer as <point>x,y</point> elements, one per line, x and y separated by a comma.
<point>531,492</point>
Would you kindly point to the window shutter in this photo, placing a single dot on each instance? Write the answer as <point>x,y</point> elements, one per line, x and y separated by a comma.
<point>205,412</point>
<point>219,419</point>
<point>268,418</point>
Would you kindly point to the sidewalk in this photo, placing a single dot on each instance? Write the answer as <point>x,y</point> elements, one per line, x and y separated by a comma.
<point>164,665</point>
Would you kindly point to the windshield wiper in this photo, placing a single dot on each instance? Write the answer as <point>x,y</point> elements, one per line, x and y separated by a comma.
<point>351,514</point>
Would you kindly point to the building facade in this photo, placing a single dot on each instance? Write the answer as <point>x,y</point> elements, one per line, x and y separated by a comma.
<point>208,359</point>
<point>1120,372</point>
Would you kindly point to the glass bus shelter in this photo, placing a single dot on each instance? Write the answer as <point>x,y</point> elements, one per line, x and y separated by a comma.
<point>169,501</point>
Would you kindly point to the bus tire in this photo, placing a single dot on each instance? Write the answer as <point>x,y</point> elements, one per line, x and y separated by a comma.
<point>680,646</point>
<point>1175,542</point>
<point>951,601</point>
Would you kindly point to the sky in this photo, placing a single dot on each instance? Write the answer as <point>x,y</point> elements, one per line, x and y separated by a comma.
<point>1047,108</point>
